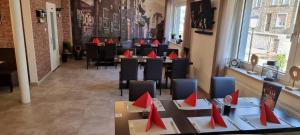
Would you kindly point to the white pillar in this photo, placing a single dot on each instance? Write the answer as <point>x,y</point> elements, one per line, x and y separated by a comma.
<point>19,44</point>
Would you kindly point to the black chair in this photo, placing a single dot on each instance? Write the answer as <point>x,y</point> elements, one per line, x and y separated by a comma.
<point>129,71</point>
<point>92,53</point>
<point>178,69</point>
<point>110,52</point>
<point>153,70</point>
<point>270,94</point>
<point>138,88</point>
<point>172,50</point>
<point>183,88</point>
<point>222,86</point>
<point>161,49</point>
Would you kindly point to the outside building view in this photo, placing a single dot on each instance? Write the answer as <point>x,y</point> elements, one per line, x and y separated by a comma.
<point>271,27</point>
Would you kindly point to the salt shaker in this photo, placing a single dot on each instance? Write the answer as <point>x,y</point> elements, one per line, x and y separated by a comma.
<point>227,105</point>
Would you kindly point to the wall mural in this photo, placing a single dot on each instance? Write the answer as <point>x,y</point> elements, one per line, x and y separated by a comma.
<point>126,19</point>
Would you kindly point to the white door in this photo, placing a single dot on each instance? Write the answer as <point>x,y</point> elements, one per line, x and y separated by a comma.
<point>53,38</point>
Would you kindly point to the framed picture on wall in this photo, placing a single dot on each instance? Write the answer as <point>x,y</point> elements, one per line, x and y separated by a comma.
<point>105,13</point>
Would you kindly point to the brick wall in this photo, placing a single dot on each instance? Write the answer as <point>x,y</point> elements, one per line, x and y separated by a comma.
<point>66,20</point>
<point>41,40</point>
<point>6,36</point>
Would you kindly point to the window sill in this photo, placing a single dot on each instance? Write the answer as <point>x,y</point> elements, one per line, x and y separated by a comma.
<point>259,78</point>
<point>174,43</point>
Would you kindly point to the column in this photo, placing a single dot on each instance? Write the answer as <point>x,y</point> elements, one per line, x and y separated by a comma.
<point>19,44</point>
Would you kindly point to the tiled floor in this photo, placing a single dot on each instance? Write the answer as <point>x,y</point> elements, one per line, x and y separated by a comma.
<point>71,101</point>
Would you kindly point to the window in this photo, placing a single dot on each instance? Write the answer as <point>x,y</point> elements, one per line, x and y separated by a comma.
<point>280,2</point>
<point>280,20</point>
<point>272,39</point>
<point>257,3</point>
<point>179,17</point>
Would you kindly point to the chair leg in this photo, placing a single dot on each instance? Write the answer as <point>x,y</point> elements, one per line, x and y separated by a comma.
<point>87,63</point>
<point>166,85</point>
<point>159,86</point>
<point>11,88</point>
<point>171,86</point>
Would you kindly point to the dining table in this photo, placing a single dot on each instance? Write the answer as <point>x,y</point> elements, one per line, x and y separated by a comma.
<point>181,118</point>
<point>143,59</point>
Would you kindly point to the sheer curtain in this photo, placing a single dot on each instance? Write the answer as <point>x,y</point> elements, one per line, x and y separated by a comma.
<point>187,26</point>
<point>228,37</point>
<point>168,19</point>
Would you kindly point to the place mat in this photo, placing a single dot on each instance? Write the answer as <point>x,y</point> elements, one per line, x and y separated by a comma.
<point>134,109</point>
<point>201,104</point>
<point>201,124</point>
<point>138,127</point>
<point>242,102</point>
<point>254,121</point>
<point>168,60</point>
<point>122,56</point>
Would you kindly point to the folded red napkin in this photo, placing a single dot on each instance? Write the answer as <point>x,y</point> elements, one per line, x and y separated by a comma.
<point>172,55</point>
<point>216,117</point>
<point>96,40</point>
<point>127,54</point>
<point>156,42</point>
<point>152,55</point>
<point>235,97</point>
<point>266,115</point>
<point>192,99</point>
<point>110,41</point>
<point>154,118</point>
<point>144,101</point>
<point>142,42</point>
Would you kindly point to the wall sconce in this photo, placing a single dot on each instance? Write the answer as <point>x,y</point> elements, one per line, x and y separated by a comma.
<point>58,10</point>
<point>41,15</point>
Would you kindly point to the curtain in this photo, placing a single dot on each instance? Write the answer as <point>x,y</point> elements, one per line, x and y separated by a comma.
<point>168,19</point>
<point>228,34</point>
<point>187,29</point>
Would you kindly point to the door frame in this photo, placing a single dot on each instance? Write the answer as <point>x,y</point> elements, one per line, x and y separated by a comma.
<point>54,54</point>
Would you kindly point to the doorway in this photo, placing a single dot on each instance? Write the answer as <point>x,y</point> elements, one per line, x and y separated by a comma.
<point>52,33</point>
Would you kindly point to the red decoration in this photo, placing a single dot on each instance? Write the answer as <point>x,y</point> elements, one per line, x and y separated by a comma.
<point>154,118</point>
<point>192,99</point>
<point>110,41</point>
<point>235,97</point>
<point>266,115</point>
<point>127,54</point>
<point>144,101</point>
<point>142,42</point>
<point>172,55</point>
<point>96,41</point>
<point>155,42</point>
<point>152,55</point>
<point>216,117</point>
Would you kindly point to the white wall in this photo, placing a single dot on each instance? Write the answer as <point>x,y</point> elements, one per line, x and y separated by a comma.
<point>202,53</point>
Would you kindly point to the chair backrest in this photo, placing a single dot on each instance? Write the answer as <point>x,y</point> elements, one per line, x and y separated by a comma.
<point>8,56</point>
<point>92,50</point>
<point>182,88</point>
<point>129,69</point>
<point>162,49</point>
<point>153,69</point>
<point>172,50</point>
<point>179,68</point>
<point>270,94</point>
<point>138,88</point>
<point>110,52</point>
<point>222,86</point>
<point>146,50</point>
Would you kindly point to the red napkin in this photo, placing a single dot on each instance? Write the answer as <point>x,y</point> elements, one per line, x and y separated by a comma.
<point>235,97</point>
<point>172,55</point>
<point>127,54</point>
<point>216,117</point>
<point>266,115</point>
<point>110,41</point>
<point>142,42</point>
<point>154,118</point>
<point>156,42</point>
<point>152,55</point>
<point>144,101</point>
<point>192,99</point>
<point>96,40</point>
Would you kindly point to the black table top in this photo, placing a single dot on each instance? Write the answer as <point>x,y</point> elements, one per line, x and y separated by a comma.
<point>185,127</point>
<point>142,60</point>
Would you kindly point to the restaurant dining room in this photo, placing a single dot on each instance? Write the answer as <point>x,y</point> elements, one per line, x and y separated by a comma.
<point>149,67</point>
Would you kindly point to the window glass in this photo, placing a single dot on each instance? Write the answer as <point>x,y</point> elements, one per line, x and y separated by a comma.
<point>179,20</point>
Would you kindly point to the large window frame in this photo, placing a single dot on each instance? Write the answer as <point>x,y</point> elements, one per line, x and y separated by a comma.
<point>176,21</point>
<point>242,42</point>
